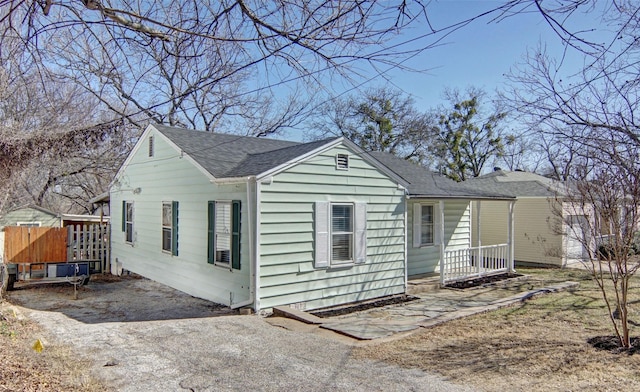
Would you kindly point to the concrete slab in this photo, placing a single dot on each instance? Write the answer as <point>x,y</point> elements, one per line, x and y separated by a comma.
<point>363,330</point>
<point>432,308</point>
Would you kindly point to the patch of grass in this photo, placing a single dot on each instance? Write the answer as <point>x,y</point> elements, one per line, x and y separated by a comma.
<point>56,368</point>
<point>538,345</point>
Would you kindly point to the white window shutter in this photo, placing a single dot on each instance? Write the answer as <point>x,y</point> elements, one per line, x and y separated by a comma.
<point>417,225</point>
<point>321,219</point>
<point>361,232</point>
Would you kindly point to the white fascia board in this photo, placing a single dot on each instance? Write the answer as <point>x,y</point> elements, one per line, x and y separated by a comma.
<point>149,129</point>
<point>186,156</point>
<point>132,153</point>
<point>347,143</point>
<point>299,159</point>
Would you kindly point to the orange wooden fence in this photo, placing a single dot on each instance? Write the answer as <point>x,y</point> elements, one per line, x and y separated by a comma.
<point>35,244</point>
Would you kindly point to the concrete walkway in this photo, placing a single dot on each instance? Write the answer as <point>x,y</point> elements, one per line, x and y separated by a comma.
<point>431,307</point>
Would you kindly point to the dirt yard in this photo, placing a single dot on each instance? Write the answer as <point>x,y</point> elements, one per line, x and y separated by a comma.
<point>539,345</point>
<point>138,335</point>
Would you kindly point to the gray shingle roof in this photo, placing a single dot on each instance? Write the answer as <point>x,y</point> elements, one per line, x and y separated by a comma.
<point>517,184</point>
<point>227,156</point>
<point>424,183</point>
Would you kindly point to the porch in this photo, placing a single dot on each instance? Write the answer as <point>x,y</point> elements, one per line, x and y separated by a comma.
<point>482,260</point>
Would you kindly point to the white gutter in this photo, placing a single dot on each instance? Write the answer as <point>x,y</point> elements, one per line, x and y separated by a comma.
<point>233,180</point>
<point>252,259</point>
<point>256,284</point>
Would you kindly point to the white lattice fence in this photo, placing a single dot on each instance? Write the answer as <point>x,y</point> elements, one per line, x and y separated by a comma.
<point>89,243</point>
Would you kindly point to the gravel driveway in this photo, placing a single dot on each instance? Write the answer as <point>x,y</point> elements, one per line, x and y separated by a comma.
<point>144,336</point>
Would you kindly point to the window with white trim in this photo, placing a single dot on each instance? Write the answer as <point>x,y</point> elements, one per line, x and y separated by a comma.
<point>425,227</point>
<point>127,221</point>
<point>223,232</point>
<point>223,246</point>
<point>170,227</point>
<point>340,234</point>
<point>29,224</point>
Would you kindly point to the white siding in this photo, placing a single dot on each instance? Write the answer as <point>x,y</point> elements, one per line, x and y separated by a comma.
<point>457,235</point>
<point>287,273</point>
<point>168,177</point>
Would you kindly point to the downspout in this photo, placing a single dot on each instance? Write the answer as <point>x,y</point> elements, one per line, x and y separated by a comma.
<point>252,270</point>
<point>406,241</point>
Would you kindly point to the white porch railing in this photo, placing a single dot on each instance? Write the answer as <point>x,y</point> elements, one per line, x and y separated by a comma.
<point>469,263</point>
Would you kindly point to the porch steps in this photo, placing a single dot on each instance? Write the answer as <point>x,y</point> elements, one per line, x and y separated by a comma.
<point>288,312</point>
<point>424,283</point>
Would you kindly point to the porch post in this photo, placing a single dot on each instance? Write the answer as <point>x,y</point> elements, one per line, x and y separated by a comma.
<point>511,236</point>
<point>441,230</point>
<point>478,227</point>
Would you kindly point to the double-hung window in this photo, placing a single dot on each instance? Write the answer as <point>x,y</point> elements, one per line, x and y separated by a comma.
<point>170,227</point>
<point>424,225</point>
<point>127,221</point>
<point>224,233</point>
<point>340,234</point>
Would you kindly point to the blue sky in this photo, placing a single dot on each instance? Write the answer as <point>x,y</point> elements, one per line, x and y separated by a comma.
<point>479,54</point>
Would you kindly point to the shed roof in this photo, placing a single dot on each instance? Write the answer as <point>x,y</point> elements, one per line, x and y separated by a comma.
<point>518,184</point>
<point>425,183</point>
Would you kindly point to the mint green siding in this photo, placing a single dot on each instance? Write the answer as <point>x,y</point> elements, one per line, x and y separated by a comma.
<point>457,235</point>
<point>30,215</point>
<point>168,177</point>
<point>286,234</point>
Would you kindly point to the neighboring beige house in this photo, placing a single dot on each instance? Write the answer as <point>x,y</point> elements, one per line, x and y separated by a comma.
<point>537,225</point>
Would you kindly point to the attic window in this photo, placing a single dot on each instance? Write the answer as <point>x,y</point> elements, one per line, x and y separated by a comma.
<point>150,146</point>
<point>342,162</point>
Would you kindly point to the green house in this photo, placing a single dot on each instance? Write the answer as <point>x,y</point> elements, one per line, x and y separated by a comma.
<point>254,222</point>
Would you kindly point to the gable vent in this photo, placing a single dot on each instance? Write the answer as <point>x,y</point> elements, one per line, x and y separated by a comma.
<point>150,146</point>
<point>342,161</point>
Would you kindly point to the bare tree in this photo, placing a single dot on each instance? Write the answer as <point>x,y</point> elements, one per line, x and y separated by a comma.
<point>594,112</point>
<point>469,136</point>
<point>49,137</point>
<point>381,119</point>
<point>212,66</point>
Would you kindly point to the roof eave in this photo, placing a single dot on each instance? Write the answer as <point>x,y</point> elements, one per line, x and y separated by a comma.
<point>462,197</point>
